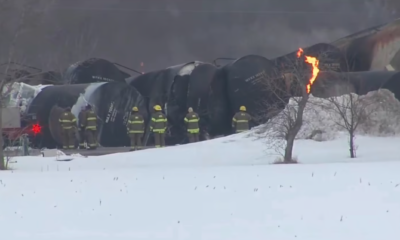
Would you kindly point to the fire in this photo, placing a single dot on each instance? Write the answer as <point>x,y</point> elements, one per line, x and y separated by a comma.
<point>315,70</point>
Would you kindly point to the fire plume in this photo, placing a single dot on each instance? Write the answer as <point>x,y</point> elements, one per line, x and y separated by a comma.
<point>314,62</point>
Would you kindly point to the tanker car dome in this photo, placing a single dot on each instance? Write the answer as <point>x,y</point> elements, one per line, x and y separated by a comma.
<point>93,70</point>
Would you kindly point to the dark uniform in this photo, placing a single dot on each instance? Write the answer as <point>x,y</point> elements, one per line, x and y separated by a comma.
<point>81,119</point>
<point>192,125</point>
<point>68,126</point>
<point>136,129</point>
<point>240,122</point>
<point>158,126</point>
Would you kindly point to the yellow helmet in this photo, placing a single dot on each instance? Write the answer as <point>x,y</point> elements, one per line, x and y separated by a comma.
<point>242,108</point>
<point>135,109</point>
<point>157,108</point>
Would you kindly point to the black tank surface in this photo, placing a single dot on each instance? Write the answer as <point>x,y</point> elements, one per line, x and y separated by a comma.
<point>190,88</point>
<point>169,89</point>
<point>219,111</point>
<point>250,84</point>
<point>93,70</point>
<point>112,103</point>
<point>198,96</point>
<point>330,84</point>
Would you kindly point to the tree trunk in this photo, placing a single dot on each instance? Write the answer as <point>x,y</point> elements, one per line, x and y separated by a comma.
<point>289,148</point>
<point>351,143</point>
<point>2,161</point>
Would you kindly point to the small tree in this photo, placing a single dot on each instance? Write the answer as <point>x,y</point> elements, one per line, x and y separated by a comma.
<point>348,112</point>
<point>284,125</point>
<point>16,19</point>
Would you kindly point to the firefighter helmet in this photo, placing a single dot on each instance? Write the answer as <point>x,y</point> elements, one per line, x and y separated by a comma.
<point>135,109</point>
<point>190,110</point>
<point>157,108</point>
<point>242,108</point>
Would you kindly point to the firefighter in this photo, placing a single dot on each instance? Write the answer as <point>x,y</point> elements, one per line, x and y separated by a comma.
<point>68,127</point>
<point>90,124</point>
<point>81,119</point>
<point>192,124</point>
<point>158,126</point>
<point>136,129</point>
<point>240,122</point>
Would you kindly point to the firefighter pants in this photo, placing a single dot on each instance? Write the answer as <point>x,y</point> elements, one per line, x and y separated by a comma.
<point>136,140</point>
<point>68,138</point>
<point>91,138</point>
<point>193,137</point>
<point>159,139</point>
<point>82,138</point>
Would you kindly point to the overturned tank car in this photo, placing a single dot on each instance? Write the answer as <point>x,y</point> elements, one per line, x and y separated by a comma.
<point>330,57</point>
<point>93,70</point>
<point>372,49</point>
<point>112,103</point>
<point>330,84</point>
<point>175,89</point>
<point>254,82</point>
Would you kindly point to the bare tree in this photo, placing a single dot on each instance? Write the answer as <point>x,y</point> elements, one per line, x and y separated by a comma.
<point>17,19</point>
<point>348,111</point>
<point>293,92</point>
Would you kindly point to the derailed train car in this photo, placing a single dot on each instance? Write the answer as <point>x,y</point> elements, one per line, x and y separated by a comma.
<point>373,49</point>
<point>112,103</point>
<point>330,57</point>
<point>329,84</point>
<point>251,81</point>
<point>93,70</point>
<point>175,89</point>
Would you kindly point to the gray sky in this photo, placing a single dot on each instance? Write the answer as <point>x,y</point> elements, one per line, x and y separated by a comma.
<point>162,33</point>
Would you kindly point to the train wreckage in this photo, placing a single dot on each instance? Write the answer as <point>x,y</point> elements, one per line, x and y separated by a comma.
<point>364,62</point>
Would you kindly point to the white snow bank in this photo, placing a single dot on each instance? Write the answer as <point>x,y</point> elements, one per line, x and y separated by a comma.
<point>236,150</point>
<point>383,111</point>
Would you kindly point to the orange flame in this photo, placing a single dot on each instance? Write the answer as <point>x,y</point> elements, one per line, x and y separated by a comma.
<point>315,70</point>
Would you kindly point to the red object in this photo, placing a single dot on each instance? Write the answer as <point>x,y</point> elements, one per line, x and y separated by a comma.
<point>36,128</point>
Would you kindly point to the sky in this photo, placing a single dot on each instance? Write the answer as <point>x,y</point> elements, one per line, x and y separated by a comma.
<point>161,33</point>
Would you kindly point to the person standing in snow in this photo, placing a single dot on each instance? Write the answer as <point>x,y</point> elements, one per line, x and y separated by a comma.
<point>68,125</point>
<point>81,119</point>
<point>241,120</point>
<point>136,129</point>
<point>90,124</point>
<point>158,126</point>
<point>192,125</point>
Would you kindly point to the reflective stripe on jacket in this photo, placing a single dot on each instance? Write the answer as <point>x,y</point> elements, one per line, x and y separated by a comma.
<point>136,123</point>
<point>67,120</point>
<point>192,122</point>
<point>91,120</point>
<point>158,122</point>
<point>240,122</point>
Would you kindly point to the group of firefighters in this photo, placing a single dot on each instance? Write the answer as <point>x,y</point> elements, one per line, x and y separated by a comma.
<point>87,128</point>
<point>136,127</point>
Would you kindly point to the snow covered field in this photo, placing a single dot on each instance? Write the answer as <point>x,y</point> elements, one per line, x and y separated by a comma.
<point>215,190</point>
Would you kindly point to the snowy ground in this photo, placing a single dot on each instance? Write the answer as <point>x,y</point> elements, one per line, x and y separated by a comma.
<point>216,190</point>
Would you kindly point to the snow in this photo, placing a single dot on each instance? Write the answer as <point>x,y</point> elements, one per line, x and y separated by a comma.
<point>220,189</point>
<point>186,69</point>
<point>84,99</point>
<point>382,109</point>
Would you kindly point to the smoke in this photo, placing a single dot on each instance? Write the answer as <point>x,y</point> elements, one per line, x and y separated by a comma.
<point>162,33</point>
